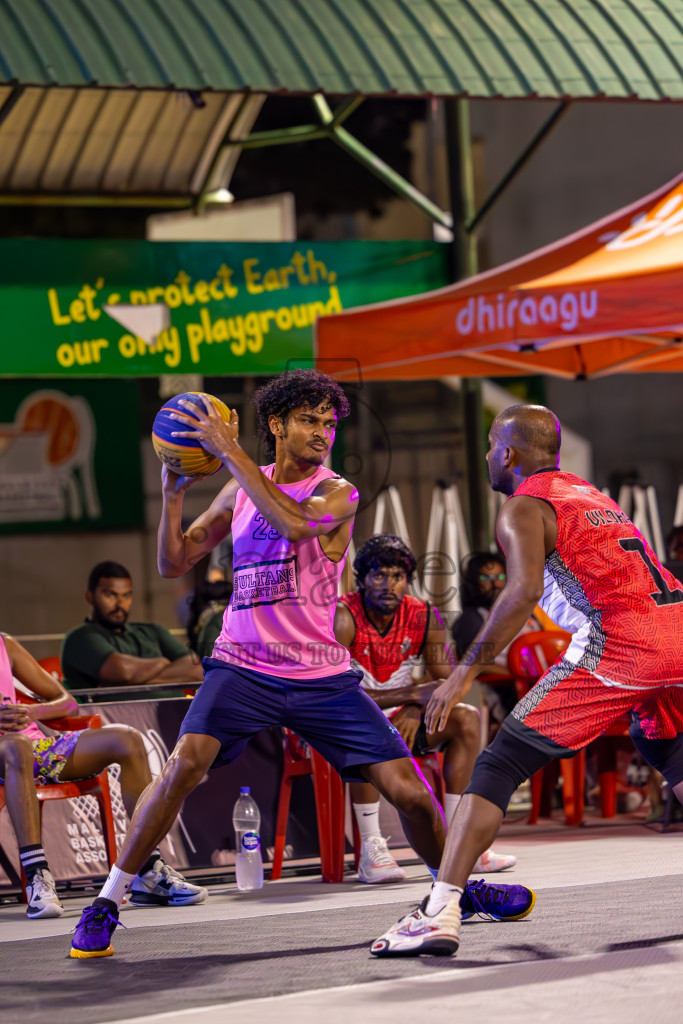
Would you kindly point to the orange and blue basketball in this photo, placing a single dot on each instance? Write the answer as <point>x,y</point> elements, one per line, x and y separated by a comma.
<point>185,455</point>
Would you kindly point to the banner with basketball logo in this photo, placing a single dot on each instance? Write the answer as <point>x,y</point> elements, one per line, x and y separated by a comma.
<point>70,456</point>
<point>118,308</point>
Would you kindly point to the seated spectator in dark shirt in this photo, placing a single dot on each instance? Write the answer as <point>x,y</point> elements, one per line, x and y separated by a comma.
<point>107,650</point>
<point>483,579</point>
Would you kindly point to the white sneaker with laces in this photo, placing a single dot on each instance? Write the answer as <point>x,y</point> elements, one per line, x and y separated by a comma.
<point>376,865</point>
<point>490,861</point>
<point>43,900</point>
<point>163,886</point>
<point>419,933</point>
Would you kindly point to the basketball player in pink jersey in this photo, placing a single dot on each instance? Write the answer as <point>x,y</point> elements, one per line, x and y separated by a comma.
<point>572,550</point>
<point>276,661</point>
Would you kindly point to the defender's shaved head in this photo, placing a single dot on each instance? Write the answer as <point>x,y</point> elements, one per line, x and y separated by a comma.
<point>523,440</point>
<point>531,428</point>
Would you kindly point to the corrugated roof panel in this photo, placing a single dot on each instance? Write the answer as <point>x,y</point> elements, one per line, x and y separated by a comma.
<point>72,137</point>
<point>203,132</point>
<point>653,38</point>
<point>364,70</point>
<point>84,34</point>
<point>108,27</point>
<point>131,142</point>
<point>417,46</point>
<point>245,33</point>
<point>163,139</point>
<point>667,28</point>
<point>456,46</point>
<point>36,148</point>
<point>314,35</point>
<point>511,48</point>
<point>19,59</point>
<point>90,155</point>
<point>15,129</point>
<point>60,61</point>
<point>488,49</point>
<point>568,69</point>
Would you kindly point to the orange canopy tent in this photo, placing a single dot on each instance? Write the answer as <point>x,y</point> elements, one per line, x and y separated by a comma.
<point>607,299</point>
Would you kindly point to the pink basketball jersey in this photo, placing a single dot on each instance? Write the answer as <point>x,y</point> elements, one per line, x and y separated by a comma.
<point>280,619</point>
<point>8,691</point>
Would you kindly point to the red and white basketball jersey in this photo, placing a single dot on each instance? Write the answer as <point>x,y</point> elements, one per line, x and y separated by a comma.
<point>604,584</point>
<point>387,660</point>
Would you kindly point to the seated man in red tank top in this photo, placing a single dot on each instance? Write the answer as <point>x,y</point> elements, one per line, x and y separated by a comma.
<point>395,640</point>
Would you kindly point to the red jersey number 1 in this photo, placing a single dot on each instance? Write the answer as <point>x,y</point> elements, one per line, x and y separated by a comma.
<point>663,594</point>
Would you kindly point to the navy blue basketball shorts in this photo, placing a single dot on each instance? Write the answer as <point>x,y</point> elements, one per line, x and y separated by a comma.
<point>333,714</point>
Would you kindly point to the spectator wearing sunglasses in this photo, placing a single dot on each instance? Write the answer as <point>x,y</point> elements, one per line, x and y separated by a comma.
<point>483,578</point>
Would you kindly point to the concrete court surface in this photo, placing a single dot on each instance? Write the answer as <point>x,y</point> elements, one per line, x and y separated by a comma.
<point>603,944</point>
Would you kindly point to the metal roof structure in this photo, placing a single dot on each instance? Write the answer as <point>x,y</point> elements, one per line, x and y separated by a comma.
<point>149,100</point>
<point>553,49</point>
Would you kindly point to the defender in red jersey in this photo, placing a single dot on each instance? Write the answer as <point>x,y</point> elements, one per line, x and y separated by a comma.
<point>573,551</point>
<point>397,642</point>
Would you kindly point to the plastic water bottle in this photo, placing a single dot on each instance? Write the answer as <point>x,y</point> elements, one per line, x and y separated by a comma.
<point>246,820</point>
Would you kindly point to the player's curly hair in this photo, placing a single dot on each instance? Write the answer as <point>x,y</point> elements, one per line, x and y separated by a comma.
<point>383,550</point>
<point>289,391</point>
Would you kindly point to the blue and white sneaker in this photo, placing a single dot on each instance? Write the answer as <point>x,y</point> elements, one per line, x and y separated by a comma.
<point>419,934</point>
<point>93,933</point>
<point>497,902</point>
<point>41,895</point>
<point>162,886</point>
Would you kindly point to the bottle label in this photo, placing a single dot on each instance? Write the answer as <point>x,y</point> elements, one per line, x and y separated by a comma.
<point>251,842</point>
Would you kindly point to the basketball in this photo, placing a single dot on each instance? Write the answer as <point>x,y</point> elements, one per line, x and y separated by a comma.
<point>185,455</point>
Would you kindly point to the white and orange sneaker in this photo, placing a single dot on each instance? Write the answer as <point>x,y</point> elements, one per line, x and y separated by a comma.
<point>419,933</point>
<point>490,861</point>
<point>376,865</point>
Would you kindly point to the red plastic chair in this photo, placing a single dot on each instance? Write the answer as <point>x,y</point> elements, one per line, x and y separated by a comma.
<point>97,786</point>
<point>52,666</point>
<point>609,777</point>
<point>300,759</point>
<point>528,658</point>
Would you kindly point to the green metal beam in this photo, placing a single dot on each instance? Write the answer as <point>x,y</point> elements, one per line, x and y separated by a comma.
<point>473,222</point>
<point>281,136</point>
<point>377,166</point>
<point>175,202</point>
<point>330,128</point>
<point>346,108</point>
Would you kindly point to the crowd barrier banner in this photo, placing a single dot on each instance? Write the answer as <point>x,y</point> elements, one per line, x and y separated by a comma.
<point>203,835</point>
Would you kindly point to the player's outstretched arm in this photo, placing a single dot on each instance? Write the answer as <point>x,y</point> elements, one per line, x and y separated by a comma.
<point>521,530</point>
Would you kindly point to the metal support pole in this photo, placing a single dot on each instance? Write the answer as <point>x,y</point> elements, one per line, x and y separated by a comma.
<point>464,263</point>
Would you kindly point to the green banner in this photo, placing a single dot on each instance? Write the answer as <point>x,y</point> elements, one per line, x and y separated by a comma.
<point>235,308</point>
<point>70,456</point>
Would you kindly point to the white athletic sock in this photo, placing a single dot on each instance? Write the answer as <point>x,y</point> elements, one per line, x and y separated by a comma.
<point>441,893</point>
<point>116,886</point>
<point>451,801</point>
<point>367,816</point>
